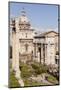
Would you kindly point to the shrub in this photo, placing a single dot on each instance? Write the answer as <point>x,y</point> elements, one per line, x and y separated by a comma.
<point>35,66</point>
<point>44,68</point>
<point>39,68</point>
<point>26,71</point>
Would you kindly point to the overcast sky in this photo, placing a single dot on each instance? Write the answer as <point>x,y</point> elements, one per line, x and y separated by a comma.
<point>43,17</point>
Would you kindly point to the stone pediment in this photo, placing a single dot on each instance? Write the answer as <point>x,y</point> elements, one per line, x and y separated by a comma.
<point>51,33</point>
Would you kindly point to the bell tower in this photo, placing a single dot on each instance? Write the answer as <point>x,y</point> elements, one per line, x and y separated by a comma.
<point>24,22</point>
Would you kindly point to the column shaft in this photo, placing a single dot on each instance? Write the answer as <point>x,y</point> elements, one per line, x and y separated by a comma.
<point>13,50</point>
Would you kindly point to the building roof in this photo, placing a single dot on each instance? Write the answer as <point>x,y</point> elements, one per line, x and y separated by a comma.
<point>42,35</point>
<point>45,33</point>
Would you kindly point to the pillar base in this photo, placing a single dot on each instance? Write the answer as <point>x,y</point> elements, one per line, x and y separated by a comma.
<point>21,82</point>
<point>18,77</point>
<point>17,74</point>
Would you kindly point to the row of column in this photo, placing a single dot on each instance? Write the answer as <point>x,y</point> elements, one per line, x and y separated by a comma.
<point>39,52</point>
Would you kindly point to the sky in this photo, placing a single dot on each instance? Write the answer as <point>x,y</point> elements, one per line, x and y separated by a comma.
<point>42,17</point>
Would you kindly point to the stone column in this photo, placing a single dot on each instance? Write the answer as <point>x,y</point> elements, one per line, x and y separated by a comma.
<point>43,53</point>
<point>38,57</point>
<point>17,56</point>
<point>40,52</point>
<point>34,49</point>
<point>15,61</point>
<point>13,50</point>
<point>36,52</point>
<point>18,72</point>
<point>42,61</point>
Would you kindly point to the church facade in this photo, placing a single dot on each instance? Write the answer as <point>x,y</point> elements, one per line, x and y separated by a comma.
<point>28,46</point>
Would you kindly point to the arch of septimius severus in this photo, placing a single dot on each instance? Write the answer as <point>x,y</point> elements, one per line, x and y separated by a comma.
<point>29,46</point>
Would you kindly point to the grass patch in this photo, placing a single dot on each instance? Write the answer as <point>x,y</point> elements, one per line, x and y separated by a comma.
<point>52,79</point>
<point>13,82</point>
